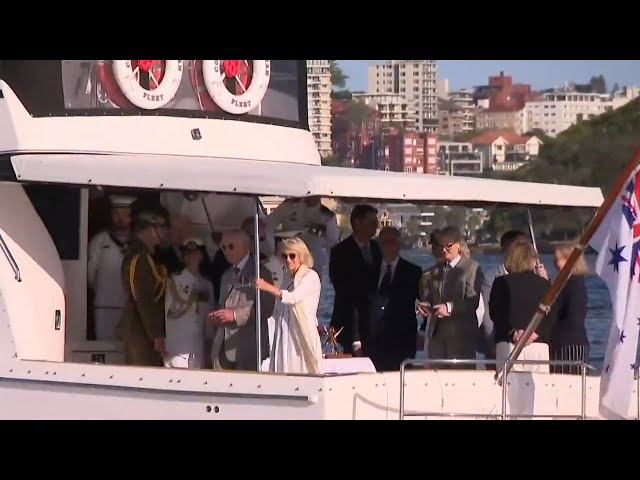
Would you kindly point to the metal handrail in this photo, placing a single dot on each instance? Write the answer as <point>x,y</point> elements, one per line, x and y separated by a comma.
<point>503,414</point>
<point>636,377</point>
<point>12,261</point>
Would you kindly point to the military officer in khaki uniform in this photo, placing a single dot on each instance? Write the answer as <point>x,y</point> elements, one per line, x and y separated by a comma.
<point>318,226</point>
<point>142,325</point>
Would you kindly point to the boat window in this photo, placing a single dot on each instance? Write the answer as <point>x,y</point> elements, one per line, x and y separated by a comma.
<point>59,209</point>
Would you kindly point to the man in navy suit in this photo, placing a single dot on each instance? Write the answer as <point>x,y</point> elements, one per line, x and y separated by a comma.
<point>393,324</point>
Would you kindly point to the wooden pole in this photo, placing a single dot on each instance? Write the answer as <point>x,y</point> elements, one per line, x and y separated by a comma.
<point>560,281</point>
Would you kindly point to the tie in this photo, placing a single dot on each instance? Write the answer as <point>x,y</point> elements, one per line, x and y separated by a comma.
<point>385,284</point>
<point>366,253</point>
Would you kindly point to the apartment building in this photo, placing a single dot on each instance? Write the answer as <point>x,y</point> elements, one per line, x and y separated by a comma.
<point>409,152</point>
<point>498,118</point>
<point>415,80</point>
<point>319,104</point>
<point>624,96</point>
<point>460,159</point>
<point>457,113</point>
<point>395,110</point>
<point>559,110</point>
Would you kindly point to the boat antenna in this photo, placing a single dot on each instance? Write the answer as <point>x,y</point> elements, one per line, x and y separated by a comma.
<point>560,281</point>
<point>531,231</point>
<point>256,259</point>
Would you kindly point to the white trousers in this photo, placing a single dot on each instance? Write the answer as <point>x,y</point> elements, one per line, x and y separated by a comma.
<point>106,323</point>
<point>186,360</point>
<point>534,351</point>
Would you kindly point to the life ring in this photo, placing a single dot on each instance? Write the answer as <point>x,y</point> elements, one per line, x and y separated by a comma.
<point>215,72</point>
<point>109,87</point>
<point>165,77</point>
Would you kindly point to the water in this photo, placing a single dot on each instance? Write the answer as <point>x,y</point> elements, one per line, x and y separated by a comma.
<point>599,308</point>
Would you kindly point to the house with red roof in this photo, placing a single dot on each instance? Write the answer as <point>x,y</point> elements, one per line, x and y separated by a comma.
<point>505,150</point>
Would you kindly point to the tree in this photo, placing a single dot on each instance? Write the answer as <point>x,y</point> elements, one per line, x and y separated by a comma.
<point>341,95</point>
<point>615,88</point>
<point>359,112</point>
<point>338,77</point>
<point>598,84</point>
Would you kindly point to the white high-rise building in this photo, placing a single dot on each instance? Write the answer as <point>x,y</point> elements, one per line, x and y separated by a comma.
<point>319,104</point>
<point>416,81</point>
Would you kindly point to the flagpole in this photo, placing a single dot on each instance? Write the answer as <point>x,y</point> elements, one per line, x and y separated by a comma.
<point>560,281</point>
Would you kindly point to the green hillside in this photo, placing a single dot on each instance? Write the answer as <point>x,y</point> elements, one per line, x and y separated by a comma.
<point>591,153</point>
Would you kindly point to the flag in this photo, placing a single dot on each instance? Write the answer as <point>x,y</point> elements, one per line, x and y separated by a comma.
<point>617,242</point>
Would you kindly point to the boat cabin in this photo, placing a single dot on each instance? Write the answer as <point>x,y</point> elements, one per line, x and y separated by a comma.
<point>203,138</point>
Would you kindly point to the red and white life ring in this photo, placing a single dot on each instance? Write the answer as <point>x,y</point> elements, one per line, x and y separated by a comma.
<point>245,97</point>
<point>165,77</point>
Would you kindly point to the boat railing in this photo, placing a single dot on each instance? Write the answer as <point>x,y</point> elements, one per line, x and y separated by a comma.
<point>12,261</point>
<point>503,415</point>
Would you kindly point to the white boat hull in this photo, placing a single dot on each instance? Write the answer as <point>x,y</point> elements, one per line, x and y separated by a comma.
<point>44,390</point>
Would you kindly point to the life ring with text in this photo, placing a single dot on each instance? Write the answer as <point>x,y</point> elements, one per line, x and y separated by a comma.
<point>108,90</point>
<point>148,84</point>
<point>223,80</point>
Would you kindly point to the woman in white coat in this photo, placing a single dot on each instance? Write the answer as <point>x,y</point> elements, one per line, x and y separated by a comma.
<point>296,346</point>
<point>188,299</point>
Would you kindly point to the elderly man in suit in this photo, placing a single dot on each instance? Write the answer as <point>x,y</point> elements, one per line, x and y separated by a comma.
<point>453,330</point>
<point>392,332</point>
<point>234,337</point>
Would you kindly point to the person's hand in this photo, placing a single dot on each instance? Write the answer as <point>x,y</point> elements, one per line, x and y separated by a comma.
<point>262,284</point>
<point>224,316</point>
<point>516,336</point>
<point>441,310</point>
<point>424,309</point>
<point>159,345</point>
<point>534,336</point>
<point>211,318</point>
<point>541,270</point>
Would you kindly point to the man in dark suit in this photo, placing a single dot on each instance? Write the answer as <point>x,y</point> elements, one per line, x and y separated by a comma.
<point>393,324</point>
<point>453,330</point>
<point>354,267</point>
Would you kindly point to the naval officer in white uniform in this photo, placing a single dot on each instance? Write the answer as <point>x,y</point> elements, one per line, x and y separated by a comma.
<point>317,223</point>
<point>188,299</point>
<point>103,270</point>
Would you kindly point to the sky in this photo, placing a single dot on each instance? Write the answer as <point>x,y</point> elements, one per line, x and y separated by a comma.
<point>538,73</point>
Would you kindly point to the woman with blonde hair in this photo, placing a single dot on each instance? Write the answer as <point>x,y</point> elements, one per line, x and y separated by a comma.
<point>514,299</point>
<point>569,341</point>
<point>296,346</point>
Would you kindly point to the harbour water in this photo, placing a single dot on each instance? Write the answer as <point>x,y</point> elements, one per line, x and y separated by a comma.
<point>598,317</point>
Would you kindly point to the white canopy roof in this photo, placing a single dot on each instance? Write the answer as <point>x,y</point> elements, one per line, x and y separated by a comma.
<point>224,175</point>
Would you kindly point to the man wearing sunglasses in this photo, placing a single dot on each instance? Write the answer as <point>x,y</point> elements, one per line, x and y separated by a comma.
<point>234,337</point>
<point>454,322</point>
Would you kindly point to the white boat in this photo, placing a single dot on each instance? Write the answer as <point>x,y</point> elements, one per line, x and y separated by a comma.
<point>73,126</point>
